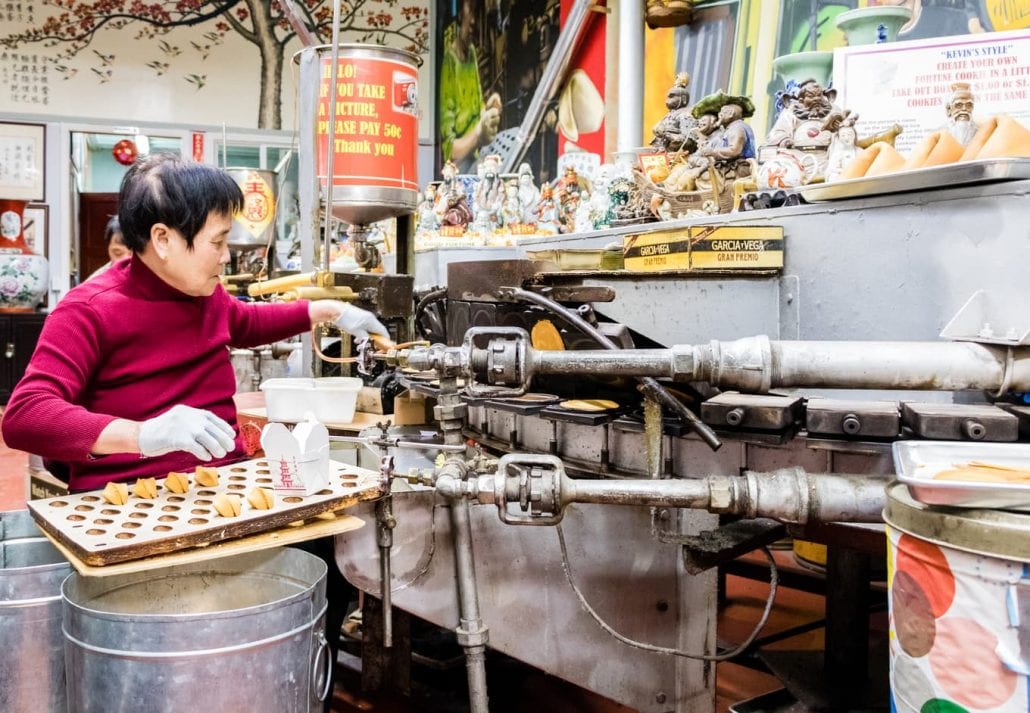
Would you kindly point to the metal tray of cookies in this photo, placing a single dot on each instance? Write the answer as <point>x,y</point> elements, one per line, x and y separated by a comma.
<point>99,533</point>
<point>921,179</point>
<point>918,463</point>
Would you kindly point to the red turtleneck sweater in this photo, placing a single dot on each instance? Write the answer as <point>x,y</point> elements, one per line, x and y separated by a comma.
<point>126,344</point>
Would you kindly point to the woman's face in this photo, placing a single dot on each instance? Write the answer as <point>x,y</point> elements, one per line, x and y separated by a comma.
<point>196,272</point>
<point>116,249</point>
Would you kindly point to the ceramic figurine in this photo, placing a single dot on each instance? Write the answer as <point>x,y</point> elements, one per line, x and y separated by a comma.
<point>802,134</point>
<point>428,221</point>
<point>529,194</point>
<point>511,208</point>
<point>569,191</point>
<point>583,220</point>
<point>547,212</point>
<point>731,146</point>
<point>452,209</point>
<point>489,195</point>
<point>960,113</point>
<point>675,130</point>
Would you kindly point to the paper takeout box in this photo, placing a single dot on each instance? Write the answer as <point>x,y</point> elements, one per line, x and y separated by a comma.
<point>298,459</point>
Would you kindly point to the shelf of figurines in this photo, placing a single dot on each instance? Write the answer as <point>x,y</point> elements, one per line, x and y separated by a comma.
<point>704,160</point>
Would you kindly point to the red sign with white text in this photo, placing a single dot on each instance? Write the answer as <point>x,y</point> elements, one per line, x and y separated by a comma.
<point>198,146</point>
<point>376,132</point>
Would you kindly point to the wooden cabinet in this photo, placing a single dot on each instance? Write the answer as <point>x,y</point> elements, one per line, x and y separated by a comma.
<point>18,336</point>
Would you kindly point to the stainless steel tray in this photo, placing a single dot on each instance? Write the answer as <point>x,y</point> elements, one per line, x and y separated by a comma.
<point>917,462</point>
<point>921,179</point>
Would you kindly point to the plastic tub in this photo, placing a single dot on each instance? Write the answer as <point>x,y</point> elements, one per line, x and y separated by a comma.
<point>288,399</point>
<point>334,398</point>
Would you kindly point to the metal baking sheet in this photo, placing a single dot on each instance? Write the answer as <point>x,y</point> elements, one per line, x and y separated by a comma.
<point>921,179</point>
<point>917,462</point>
<point>99,533</point>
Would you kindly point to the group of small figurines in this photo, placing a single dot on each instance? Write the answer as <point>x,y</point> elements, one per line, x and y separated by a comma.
<point>703,158</point>
<point>493,206</point>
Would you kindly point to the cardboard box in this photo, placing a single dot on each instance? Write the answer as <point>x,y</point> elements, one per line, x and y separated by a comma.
<point>706,247</point>
<point>41,484</point>
<point>410,409</point>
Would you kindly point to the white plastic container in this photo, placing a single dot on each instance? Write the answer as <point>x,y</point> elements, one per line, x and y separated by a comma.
<point>335,398</point>
<point>288,399</point>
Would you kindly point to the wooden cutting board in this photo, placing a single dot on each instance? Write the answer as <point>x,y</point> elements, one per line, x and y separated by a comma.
<point>100,534</point>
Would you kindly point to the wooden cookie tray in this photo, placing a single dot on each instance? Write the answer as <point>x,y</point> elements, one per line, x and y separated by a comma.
<point>99,533</point>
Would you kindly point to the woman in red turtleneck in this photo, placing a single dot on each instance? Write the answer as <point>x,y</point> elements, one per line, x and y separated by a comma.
<point>131,376</point>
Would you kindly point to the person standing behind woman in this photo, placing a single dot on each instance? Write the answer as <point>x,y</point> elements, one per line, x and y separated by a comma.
<point>116,247</point>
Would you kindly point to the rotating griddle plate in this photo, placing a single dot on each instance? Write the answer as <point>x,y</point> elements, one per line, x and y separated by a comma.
<point>527,404</point>
<point>574,411</point>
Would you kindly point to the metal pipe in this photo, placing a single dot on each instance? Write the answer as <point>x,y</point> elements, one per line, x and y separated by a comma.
<point>553,73</point>
<point>619,362</point>
<point>758,364</point>
<point>793,496</point>
<point>331,135</point>
<point>471,632</point>
<point>630,115</point>
<point>673,492</point>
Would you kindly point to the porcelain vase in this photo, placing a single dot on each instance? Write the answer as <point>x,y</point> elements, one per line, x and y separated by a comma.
<point>872,25</point>
<point>23,274</point>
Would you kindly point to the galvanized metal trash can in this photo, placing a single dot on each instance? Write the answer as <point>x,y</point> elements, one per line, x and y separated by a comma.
<point>31,643</point>
<point>959,583</point>
<point>241,633</point>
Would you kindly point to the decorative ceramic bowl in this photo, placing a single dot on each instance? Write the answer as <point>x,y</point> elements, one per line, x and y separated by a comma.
<point>869,25</point>
<point>23,282</point>
<point>805,65</point>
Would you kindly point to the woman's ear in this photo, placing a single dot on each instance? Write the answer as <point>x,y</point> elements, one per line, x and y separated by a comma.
<point>160,238</point>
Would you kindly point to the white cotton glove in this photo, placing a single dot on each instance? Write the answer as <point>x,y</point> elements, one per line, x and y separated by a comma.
<point>359,323</point>
<point>184,428</point>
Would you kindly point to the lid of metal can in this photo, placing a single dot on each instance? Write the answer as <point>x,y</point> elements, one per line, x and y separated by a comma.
<point>993,533</point>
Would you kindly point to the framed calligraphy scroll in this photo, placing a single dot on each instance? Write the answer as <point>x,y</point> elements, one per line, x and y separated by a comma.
<point>22,161</point>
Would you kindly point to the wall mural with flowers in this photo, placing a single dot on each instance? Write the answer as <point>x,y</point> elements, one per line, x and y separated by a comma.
<point>181,61</point>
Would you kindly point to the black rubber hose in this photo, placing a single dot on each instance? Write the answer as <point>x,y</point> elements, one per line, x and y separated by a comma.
<point>649,384</point>
<point>427,299</point>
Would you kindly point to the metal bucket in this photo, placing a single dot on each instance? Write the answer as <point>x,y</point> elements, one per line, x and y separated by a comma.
<point>375,168</point>
<point>239,633</point>
<point>32,659</point>
<point>254,226</point>
<point>959,583</point>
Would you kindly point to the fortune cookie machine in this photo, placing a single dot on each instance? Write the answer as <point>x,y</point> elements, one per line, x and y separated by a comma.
<point>746,406</point>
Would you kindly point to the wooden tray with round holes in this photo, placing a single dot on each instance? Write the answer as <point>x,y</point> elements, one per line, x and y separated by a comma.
<point>99,533</point>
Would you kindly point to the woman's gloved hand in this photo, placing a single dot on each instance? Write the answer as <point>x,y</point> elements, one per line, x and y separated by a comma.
<point>359,323</point>
<point>184,428</point>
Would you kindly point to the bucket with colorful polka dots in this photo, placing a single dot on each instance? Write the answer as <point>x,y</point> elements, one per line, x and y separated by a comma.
<point>959,586</point>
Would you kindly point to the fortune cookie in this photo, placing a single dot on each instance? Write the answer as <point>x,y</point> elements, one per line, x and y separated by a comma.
<point>145,488</point>
<point>116,493</point>
<point>207,477</point>
<point>589,405</point>
<point>227,505</point>
<point>545,337</point>
<point>177,482</point>
<point>937,149</point>
<point>999,137</point>
<point>878,159</point>
<point>261,499</point>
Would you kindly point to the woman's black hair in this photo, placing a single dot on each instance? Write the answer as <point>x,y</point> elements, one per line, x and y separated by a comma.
<point>113,228</point>
<point>164,188</point>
